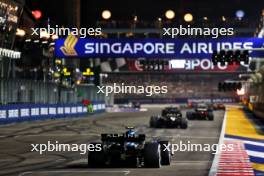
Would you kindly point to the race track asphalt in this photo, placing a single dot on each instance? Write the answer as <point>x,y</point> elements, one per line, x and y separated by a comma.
<point>16,157</point>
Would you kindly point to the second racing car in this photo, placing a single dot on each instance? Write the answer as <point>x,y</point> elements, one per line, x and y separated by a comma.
<point>170,117</point>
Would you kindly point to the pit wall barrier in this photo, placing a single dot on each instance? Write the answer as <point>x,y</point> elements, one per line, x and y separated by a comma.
<point>30,112</point>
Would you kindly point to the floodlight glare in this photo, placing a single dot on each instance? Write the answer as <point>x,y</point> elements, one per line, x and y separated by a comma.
<point>169,14</point>
<point>106,14</point>
<point>188,17</point>
<point>240,14</point>
<point>20,32</point>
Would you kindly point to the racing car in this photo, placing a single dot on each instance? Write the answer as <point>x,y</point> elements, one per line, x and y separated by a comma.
<point>201,112</point>
<point>170,117</point>
<point>219,106</point>
<point>136,105</point>
<point>130,148</point>
<point>133,105</point>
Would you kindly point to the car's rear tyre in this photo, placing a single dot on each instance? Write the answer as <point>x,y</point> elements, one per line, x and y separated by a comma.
<point>152,155</point>
<point>96,158</point>
<point>184,124</point>
<point>211,116</point>
<point>153,122</point>
<point>165,154</point>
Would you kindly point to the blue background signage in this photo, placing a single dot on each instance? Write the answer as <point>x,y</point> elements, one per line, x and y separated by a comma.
<point>28,112</point>
<point>152,48</point>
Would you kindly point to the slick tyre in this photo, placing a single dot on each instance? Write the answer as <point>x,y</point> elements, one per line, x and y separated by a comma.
<point>211,116</point>
<point>184,124</point>
<point>152,155</point>
<point>165,154</point>
<point>96,159</point>
<point>153,122</point>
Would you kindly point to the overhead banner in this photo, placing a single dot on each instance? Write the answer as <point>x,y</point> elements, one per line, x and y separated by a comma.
<point>152,48</point>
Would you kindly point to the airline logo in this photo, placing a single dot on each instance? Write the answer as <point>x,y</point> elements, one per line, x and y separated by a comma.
<point>68,48</point>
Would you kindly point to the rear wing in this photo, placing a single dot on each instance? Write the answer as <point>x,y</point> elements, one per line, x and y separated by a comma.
<point>122,138</point>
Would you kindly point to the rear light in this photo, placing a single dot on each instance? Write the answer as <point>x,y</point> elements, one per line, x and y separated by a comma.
<point>204,112</point>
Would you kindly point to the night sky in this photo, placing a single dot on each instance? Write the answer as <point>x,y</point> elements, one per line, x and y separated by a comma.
<point>148,9</point>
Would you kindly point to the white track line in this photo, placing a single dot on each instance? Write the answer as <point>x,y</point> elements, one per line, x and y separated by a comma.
<point>126,172</point>
<point>213,169</point>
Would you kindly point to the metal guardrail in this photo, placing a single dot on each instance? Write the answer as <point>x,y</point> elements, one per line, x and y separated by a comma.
<point>29,91</point>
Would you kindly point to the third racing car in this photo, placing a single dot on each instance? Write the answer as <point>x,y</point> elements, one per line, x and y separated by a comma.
<point>201,112</point>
